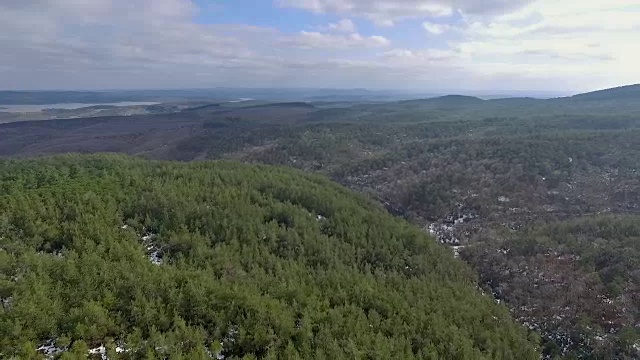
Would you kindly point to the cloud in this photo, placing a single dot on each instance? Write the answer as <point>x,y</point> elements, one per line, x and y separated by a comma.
<point>436,29</point>
<point>560,31</point>
<point>493,44</point>
<point>317,40</point>
<point>159,43</point>
<point>562,41</point>
<point>387,12</point>
<point>91,44</point>
<point>417,57</point>
<point>343,26</point>
<point>545,44</point>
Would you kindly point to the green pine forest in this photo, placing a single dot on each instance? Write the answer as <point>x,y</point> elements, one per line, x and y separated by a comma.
<point>156,260</point>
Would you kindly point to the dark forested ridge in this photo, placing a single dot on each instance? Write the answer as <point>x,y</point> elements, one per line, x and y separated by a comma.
<point>139,259</point>
<point>629,92</point>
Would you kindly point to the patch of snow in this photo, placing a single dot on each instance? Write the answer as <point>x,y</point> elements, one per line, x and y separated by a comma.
<point>570,160</point>
<point>320,217</point>
<point>568,257</point>
<point>100,350</point>
<point>156,257</point>
<point>148,237</point>
<point>463,218</point>
<point>444,230</point>
<point>607,300</point>
<point>49,349</point>
<point>231,335</point>
<point>503,199</point>
<point>6,302</point>
<point>154,253</point>
<point>56,253</point>
<point>124,227</point>
<point>432,229</point>
<point>443,233</point>
<point>456,250</point>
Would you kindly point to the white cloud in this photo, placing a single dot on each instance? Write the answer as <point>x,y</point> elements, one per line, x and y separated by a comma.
<point>585,42</point>
<point>92,44</point>
<point>317,40</point>
<point>436,29</point>
<point>499,44</point>
<point>418,57</point>
<point>158,43</point>
<point>544,45</point>
<point>343,26</point>
<point>387,12</point>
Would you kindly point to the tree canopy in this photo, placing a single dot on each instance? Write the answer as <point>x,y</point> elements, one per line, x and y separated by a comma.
<point>145,260</point>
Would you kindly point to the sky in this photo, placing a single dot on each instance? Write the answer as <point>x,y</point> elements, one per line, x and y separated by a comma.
<point>423,45</point>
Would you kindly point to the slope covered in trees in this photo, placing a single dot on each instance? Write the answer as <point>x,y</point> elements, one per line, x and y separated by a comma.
<point>216,259</point>
<point>577,282</point>
<point>629,92</point>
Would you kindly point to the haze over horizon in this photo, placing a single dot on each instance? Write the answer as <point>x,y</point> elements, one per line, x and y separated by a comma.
<point>418,45</point>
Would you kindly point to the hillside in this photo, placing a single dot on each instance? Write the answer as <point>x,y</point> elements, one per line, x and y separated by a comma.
<point>629,92</point>
<point>140,259</point>
<point>566,272</point>
<point>445,102</point>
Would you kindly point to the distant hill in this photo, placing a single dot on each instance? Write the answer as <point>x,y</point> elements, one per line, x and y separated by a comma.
<point>516,101</point>
<point>297,104</point>
<point>447,101</point>
<point>619,93</point>
<point>203,107</point>
<point>55,97</point>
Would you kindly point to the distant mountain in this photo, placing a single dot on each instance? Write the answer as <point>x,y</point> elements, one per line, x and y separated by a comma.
<point>458,99</point>
<point>297,104</point>
<point>447,101</point>
<point>618,93</point>
<point>217,94</point>
<point>57,97</point>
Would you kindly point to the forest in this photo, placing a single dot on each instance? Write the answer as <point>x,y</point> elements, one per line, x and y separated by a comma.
<point>540,198</point>
<point>118,257</point>
<point>576,282</point>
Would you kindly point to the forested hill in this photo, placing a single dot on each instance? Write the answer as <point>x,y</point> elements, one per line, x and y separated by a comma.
<point>629,92</point>
<point>138,259</point>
